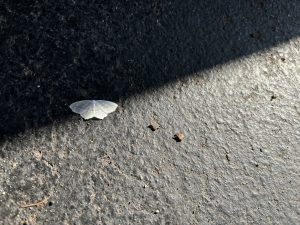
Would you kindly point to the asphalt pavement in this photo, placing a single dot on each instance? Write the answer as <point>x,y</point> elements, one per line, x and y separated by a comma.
<point>224,74</point>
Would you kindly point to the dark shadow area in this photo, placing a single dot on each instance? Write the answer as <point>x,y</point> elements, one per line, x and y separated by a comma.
<point>56,52</point>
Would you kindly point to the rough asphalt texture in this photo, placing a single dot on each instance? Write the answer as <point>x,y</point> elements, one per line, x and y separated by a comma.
<point>225,73</point>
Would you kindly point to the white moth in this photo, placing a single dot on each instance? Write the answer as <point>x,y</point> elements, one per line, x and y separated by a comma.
<point>93,108</point>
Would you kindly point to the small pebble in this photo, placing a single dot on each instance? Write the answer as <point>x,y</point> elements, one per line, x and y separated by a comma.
<point>154,126</point>
<point>179,137</point>
<point>156,211</point>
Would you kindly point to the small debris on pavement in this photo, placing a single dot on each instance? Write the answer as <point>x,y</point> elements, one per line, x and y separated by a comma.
<point>227,19</point>
<point>179,137</point>
<point>273,97</point>
<point>154,126</point>
<point>227,157</point>
<point>37,204</point>
<point>256,35</point>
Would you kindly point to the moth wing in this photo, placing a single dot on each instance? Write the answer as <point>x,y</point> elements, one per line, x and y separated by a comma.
<point>82,106</point>
<point>105,106</point>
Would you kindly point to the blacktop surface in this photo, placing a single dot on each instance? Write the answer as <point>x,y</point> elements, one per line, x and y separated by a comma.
<point>224,73</point>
